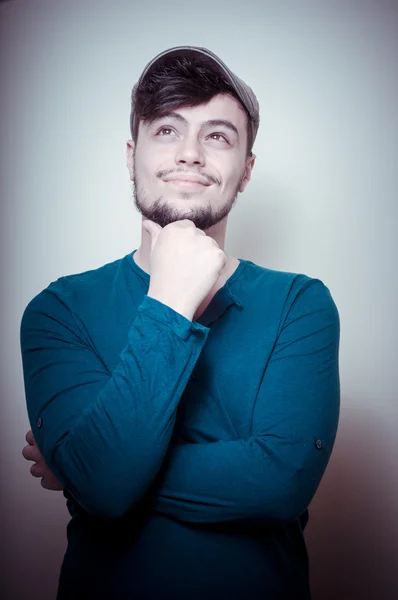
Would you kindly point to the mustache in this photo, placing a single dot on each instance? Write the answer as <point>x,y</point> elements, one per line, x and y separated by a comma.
<point>206,176</point>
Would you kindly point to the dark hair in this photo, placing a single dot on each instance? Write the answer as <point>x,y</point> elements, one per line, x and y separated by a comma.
<point>181,82</point>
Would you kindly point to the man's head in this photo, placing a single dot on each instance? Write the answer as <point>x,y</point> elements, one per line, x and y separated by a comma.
<point>193,124</point>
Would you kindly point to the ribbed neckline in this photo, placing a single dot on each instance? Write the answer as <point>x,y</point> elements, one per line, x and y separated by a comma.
<point>221,300</point>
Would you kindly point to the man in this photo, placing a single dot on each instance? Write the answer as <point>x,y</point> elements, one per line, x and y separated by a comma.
<point>186,401</point>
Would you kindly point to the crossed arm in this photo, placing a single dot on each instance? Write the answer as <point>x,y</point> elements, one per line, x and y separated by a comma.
<point>274,473</point>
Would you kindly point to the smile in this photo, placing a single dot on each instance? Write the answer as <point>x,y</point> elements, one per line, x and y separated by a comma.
<point>187,183</point>
<point>187,180</point>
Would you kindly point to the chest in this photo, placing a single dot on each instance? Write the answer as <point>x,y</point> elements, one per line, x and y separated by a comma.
<point>218,400</point>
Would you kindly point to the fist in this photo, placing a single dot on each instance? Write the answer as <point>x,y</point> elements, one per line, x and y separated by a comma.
<point>39,468</point>
<point>185,265</point>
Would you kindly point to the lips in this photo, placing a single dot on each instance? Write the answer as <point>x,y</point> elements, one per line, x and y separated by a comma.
<point>187,180</point>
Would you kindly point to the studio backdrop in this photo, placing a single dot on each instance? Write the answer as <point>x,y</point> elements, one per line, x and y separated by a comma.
<point>322,201</point>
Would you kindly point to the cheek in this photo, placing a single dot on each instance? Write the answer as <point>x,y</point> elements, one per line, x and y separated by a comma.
<point>232,179</point>
<point>143,169</point>
<point>147,167</point>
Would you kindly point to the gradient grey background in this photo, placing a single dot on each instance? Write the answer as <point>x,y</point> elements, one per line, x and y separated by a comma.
<point>323,201</point>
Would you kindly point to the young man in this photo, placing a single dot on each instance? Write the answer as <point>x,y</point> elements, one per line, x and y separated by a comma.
<point>186,401</point>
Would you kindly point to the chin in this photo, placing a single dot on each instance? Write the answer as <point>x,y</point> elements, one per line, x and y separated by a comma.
<point>185,196</point>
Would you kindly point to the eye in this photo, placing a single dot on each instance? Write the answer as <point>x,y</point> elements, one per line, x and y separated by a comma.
<point>219,137</point>
<point>165,131</point>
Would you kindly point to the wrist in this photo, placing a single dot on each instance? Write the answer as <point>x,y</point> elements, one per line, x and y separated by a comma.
<point>173,303</point>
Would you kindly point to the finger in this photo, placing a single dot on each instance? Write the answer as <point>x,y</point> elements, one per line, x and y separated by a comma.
<point>29,437</point>
<point>38,470</point>
<point>48,479</point>
<point>32,453</point>
<point>51,483</point>
<point>153,229</point>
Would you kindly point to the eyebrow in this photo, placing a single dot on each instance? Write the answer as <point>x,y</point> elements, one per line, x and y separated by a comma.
<point>210,123</point>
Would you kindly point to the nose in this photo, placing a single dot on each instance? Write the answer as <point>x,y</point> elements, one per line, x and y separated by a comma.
<point>190,152</point>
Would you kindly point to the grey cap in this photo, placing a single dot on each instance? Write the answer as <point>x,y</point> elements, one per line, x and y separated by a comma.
<point>243,91</point>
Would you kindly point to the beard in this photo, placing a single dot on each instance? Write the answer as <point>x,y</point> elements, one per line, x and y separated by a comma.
<point>160,211</point>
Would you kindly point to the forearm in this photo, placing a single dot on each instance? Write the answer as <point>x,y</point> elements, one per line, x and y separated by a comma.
<point>240,481</point>
<point>118,426</point>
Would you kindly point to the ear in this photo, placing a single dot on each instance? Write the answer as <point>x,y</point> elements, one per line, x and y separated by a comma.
<point>130,157</point>
<point>248,172</point>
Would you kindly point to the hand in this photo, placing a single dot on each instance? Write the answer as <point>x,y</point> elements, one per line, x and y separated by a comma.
<point>39,468</point>
<point>185,264</point>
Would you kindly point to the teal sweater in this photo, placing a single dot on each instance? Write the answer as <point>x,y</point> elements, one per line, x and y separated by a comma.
<point>189,451</point>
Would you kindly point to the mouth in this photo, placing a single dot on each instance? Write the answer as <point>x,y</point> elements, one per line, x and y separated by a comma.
<point>187,181</point>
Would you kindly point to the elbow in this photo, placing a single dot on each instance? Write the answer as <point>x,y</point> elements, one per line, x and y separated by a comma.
<point>108,512</point>
<point>103,503</point>
<point>292,492</point>
<point>103,495</point>
<point>105,491</point>
<point>286,511</point>
<point>277,511</point>
<point>289,500</point>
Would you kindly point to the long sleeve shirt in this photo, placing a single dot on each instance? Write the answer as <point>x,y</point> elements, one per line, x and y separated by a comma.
<point>189,451</point>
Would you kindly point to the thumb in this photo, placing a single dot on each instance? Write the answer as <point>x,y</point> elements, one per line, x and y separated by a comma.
<point>153,229</point>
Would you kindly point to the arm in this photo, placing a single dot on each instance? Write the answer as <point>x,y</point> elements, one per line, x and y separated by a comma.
<point>94,428</point>
<point>273,475</point>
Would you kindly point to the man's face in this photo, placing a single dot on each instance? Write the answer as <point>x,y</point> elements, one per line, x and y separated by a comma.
<point>191,163</point>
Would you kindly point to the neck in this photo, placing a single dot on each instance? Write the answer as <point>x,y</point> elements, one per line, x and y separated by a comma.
<point>143,254</point>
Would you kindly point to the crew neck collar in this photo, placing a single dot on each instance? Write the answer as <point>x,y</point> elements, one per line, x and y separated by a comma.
<point>223,298</point>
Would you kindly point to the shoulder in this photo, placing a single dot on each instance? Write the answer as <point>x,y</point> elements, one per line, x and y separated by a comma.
<point>291,293</point>
<point>69,292</point>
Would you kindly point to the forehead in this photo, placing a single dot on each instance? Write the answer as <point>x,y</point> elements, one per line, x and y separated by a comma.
<point>221,107</point>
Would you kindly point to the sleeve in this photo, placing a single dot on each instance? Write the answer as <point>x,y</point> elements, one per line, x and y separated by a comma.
<point>105,435</point>
<point>273,475</point>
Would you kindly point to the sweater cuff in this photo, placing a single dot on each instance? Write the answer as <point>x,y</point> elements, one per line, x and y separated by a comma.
<point>164,314</point>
